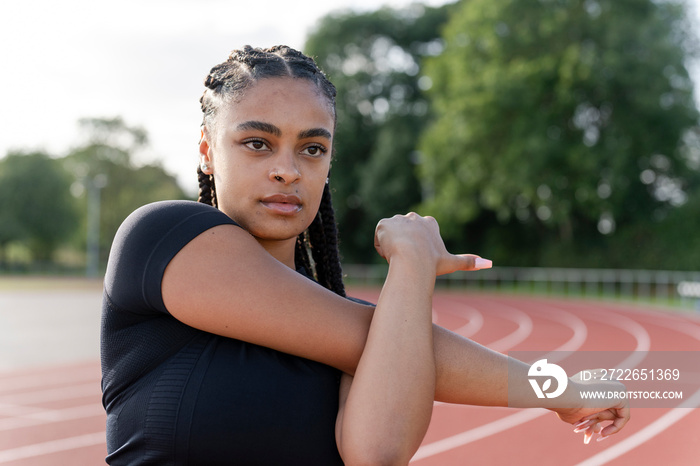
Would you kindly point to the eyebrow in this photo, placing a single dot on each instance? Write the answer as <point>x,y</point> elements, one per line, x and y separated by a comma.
<point>260,126</point>
<point>314,133</point>
<point>275,131</point>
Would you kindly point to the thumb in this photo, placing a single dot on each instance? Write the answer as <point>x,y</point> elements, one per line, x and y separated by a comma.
<point>464,262</point>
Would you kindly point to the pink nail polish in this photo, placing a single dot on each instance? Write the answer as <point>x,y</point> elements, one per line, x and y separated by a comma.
<point>581,423</point>
<point>601,438</point>
<point>480,263</point>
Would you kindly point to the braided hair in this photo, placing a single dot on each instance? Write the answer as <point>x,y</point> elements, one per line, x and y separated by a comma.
<point>316,248</point>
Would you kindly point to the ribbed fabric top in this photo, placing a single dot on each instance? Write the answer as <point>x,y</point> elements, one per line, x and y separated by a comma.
<point>177,395</point>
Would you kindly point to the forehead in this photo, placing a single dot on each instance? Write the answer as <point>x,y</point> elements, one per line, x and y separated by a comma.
<point>279,101</point>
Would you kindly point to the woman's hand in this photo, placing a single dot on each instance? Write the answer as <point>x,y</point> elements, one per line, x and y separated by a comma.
<point>412,234</point>
<point>589,415</point>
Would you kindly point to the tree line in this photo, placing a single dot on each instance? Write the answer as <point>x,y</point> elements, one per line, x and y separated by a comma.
<point>537,132</point>
<point>44,199</point>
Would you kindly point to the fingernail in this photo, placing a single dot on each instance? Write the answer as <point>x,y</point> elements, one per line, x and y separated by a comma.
<point>580,429</point>
<point>587,440</point>
<point>482,263</point>
<point>601,438</point>
<point>582,423</point>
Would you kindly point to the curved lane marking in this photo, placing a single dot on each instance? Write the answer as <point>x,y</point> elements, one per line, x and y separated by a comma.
<point>472,435</point>
<point>523,331</point>
<point>521,417</point>
<point>570,320</point>
<point>475,318</point>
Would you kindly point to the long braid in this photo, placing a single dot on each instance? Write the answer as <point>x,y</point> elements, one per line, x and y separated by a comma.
<point>230,79</point>
<point>301,253</point>
<point>323,234</point>
<point>207,195</point>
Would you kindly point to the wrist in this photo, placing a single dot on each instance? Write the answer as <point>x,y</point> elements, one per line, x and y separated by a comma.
<point>412,270</point>
<point>569,401</point>
<point>413,258</point>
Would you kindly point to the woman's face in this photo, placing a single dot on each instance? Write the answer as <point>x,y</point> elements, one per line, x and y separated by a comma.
<point>270,153</point>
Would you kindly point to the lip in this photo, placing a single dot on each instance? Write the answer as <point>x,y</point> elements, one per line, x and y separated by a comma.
<point>282,204</point>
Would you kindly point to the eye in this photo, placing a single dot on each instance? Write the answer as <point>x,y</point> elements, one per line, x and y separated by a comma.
<point>256,144</point>
<point>314,151</point>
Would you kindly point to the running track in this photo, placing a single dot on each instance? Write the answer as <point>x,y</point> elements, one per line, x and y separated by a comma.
<point>50,411</point>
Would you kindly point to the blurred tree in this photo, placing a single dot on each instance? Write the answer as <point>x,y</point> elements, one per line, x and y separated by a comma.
<point>36,207</point>
<point>374,61</point>
<point>106,157</point>
<point>559,118</point>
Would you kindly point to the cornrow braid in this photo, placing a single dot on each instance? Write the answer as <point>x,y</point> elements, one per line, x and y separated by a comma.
<point>207,195</point>
<point>245,67</point>
<point>226,82</point>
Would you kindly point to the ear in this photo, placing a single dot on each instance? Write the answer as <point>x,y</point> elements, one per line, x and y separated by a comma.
<point>205,160</point>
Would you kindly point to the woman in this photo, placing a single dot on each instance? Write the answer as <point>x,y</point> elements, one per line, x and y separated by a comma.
<point>225,342</point>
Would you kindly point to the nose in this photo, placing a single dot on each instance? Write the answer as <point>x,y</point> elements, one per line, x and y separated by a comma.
<point>285,169</point>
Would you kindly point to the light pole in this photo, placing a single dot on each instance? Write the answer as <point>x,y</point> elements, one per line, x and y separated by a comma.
<point>94,186</point>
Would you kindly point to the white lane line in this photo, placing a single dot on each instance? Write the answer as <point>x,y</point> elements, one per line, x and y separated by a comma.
<point>440,446</point>
<point>474,317</point>
<point>478,433</point>
<point>53,446</point>
<point>51,416</point>
<point>630,326</point>
<point>13,410</point>
<point>523,331</point>
<point>476,321</point>
<point>573,322</point>
<point>69,376</point>
<point>53,394</point>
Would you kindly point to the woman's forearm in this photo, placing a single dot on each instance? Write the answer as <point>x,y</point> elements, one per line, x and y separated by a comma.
<point>389,405</point>
<point>469,373</point>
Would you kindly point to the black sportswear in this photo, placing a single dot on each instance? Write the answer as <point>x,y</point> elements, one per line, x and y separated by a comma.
<point>176,395</point>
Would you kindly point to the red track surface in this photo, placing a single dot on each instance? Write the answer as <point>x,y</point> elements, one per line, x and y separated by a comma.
<point>53,416</point>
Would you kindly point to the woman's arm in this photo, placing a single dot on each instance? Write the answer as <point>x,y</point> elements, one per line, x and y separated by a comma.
<point>224,282</point>
<point>385,409</point>
<point>389,404</point>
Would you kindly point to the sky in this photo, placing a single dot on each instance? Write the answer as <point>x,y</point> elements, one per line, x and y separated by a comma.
<point>143,60</point>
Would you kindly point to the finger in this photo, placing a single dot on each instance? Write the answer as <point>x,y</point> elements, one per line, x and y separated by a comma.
<point>604,415</point>
<point>617,424</point>
<point>378,247</point>
<point>472,262</point>
<point>582,426</point>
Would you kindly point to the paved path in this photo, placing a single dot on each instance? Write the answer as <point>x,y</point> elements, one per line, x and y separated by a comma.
<point>39,328</point>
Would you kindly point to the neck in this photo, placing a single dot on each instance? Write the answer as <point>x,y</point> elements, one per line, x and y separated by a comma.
<point>283,251</point>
